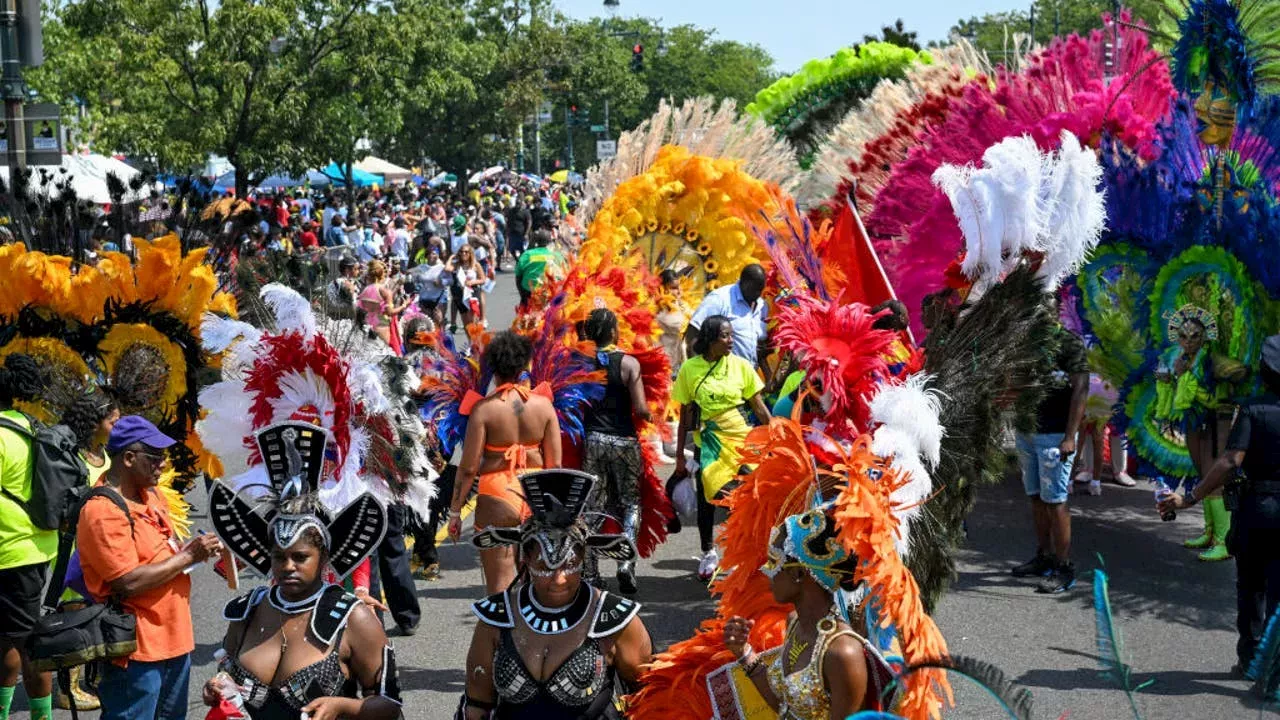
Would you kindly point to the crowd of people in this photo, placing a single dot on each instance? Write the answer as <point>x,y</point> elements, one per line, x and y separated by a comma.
<point>834,395</point>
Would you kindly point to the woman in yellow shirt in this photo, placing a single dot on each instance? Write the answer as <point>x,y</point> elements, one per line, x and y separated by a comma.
<point>726,392</point>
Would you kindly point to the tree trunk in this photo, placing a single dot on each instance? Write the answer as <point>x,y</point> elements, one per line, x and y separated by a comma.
<point>242,180</point>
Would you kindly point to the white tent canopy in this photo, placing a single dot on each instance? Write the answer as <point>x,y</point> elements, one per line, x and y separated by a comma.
<point>88,175</point>
<point>389,171</point>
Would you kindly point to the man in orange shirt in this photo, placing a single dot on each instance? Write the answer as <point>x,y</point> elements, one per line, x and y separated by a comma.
<point>136,560</point>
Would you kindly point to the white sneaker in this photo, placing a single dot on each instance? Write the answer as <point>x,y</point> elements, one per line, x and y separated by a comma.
<point>1125,480</point>
<point>1082,477</point>
<point>1095,488</point>
<point>707,566</point>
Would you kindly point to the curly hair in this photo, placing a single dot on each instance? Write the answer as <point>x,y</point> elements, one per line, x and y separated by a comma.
<point>708,333</point>
<point>507,354</point>
<point>21,379</point>
<point>601,326</point>
<point>86,412</point>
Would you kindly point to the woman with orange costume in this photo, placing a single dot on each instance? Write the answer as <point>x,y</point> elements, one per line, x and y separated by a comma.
<point>512,430</point>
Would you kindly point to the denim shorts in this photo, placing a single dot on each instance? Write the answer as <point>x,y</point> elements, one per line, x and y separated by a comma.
<point>1051,483</point>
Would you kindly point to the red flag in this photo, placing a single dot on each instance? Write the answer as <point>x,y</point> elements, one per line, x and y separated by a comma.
<point>850,250</point>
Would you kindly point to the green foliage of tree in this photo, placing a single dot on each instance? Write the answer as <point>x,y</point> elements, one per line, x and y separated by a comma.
<point>995,32</point>
<point>284,85</point>
<point>895,34</point>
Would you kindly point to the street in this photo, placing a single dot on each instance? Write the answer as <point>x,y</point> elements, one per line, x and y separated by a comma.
<point>1176,614</point>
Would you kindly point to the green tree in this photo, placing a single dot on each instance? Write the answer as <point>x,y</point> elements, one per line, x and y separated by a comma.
<point>189,78</point>
<point>895,34</point>
<point>994,32</point>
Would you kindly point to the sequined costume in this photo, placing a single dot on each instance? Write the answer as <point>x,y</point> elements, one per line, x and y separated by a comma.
<point>583,684</point>
<point>801,689</point>
<point>329,612</point>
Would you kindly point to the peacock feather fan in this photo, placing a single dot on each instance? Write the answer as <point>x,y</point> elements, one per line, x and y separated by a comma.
<point>1110,647</point>
<point>1264,668</point>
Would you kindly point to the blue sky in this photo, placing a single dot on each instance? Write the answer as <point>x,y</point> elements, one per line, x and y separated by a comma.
<point>794,31</point>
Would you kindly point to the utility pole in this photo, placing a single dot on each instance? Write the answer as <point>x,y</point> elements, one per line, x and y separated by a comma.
<point>537,142</point>
<point>606,119</point>
<point>1033,24</point>
<point>568,133</point>
<point>14,56</point>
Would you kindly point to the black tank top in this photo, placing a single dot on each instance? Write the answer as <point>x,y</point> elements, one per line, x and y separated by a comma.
<point>612,414</point>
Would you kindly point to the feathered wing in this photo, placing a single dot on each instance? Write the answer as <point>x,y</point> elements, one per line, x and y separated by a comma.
<point>979,358</point>
<point>909,432</point>
<point>447,377</point>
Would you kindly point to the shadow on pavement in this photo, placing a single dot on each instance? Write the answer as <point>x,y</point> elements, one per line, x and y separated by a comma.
<point>1150,572</point>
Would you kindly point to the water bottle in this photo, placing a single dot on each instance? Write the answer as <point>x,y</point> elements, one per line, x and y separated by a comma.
<point>1050,458</point>
<point>227,686</point>
<point>1163,491</point>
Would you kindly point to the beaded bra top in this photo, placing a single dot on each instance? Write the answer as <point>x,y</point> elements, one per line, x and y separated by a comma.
<point>801,691</point>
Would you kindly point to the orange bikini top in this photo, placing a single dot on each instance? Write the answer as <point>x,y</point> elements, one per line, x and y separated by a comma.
<point>516,454</point>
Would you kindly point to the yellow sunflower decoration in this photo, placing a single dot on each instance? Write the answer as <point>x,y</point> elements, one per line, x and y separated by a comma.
<point>146,367</point>
<point>683,214</point>
<point>66,373</point>
<point>135,324</point>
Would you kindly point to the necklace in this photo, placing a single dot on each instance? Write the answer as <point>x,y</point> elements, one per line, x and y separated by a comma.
<point>795,651</point>
<point>293,607</point>
<point>552,621</point>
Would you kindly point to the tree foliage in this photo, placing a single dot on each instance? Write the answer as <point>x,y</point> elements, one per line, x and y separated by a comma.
<point>283,85</point>
<point>995,33</point>
<point>895,34</point>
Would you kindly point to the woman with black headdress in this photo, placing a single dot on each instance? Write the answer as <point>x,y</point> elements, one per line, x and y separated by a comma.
<point>552,646</point>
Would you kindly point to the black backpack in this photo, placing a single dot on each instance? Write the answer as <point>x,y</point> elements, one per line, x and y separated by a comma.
<point>59,476</point>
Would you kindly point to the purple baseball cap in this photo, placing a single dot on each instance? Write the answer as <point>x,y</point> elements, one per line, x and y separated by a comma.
<point>132,429</point>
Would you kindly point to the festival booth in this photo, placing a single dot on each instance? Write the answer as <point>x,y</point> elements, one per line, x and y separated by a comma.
<point>389,171</point>
<point>88,175</point>
<point>359,178</point>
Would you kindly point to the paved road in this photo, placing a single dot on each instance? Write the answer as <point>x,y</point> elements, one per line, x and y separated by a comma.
<point>1176,614</point>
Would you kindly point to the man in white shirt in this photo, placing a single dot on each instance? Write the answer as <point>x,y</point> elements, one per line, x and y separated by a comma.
<point>399,245</point>
<point>747,311</point>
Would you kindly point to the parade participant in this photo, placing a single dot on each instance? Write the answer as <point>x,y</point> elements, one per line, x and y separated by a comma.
<point>519,223</point>
<point>512,430</point>
<point>611,450</point>
<point>381,312</point>
<point>747,312</point>
<point>842,673</point>
<point>1186,397</point>
<point>25,550</point>
<point>717,391</point>
<point>673,317</point>
<point>311,649</point>
<point>1254,448</point>
<point>551,646</point>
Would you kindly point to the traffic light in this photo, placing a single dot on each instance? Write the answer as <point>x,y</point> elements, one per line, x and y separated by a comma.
<point>637,58</point>
<point>579,116</point>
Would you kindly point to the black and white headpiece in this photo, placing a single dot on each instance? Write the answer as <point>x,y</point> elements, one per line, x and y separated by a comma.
<point>257,518</point>
<point>557,499</point>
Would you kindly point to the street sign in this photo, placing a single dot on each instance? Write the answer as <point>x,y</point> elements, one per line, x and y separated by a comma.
<point>544,112</point>
<point>44,133</point>
<point>597,128</point>
<point>606,149</point>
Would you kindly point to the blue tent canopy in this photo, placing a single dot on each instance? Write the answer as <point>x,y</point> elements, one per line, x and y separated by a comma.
<point>227,181</point>
<point>358,176</point>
